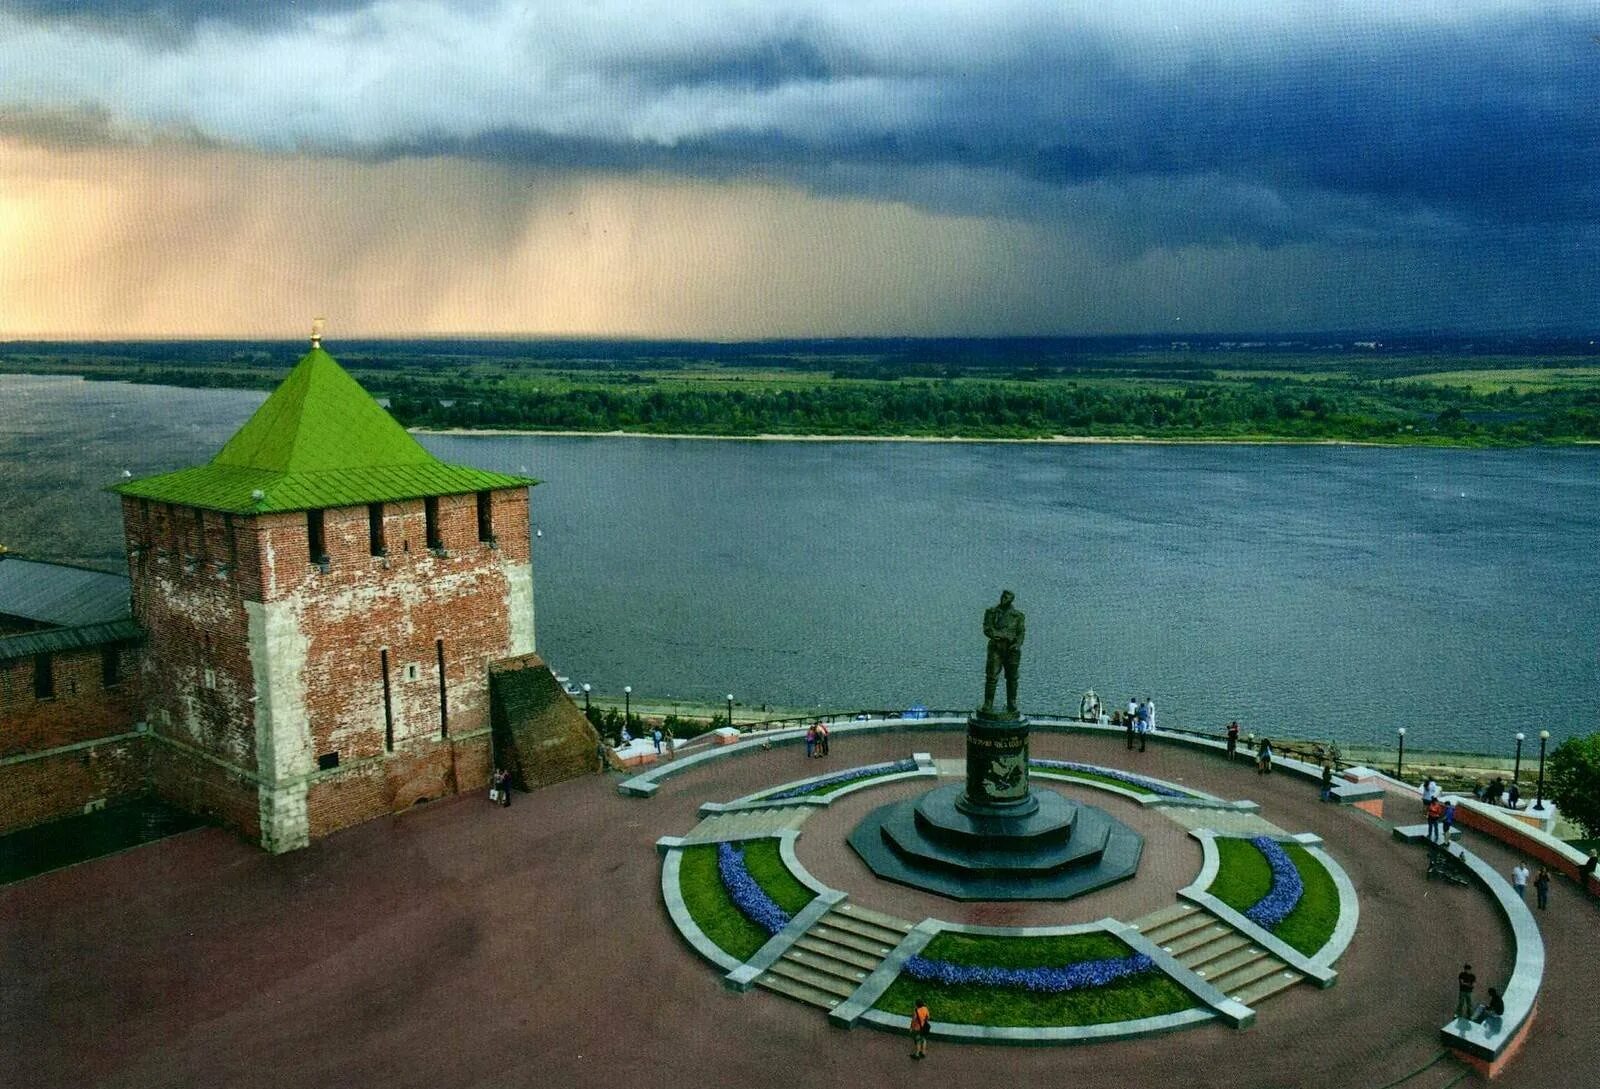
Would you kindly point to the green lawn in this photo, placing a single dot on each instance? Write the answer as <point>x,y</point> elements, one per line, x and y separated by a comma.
<point>832,788</point>
<point>1092,779</point>
<point>714,911</point>
<point>1245,877</point>
<point>1147,995</point>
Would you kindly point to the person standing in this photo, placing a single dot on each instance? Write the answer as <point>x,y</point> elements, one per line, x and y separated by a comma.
<point>1233,738</point>
<point>1449,819</point>
<point>1150,713</point>
<point>1435,815</point>
<point>657,737</point>
<point>920,1022</point>
<point>672,743</point>
<point>811,742</point>
<point>1465,981</point>
<point>822,738</point>
<point>1133,709</point>
<point>1264,757</point>
<point>1131,721</point>
<point>1519,880</point>
<point>1541,886</point>
<point>1327,780</point>
<point>502,786</point>
<point>1430,791</point>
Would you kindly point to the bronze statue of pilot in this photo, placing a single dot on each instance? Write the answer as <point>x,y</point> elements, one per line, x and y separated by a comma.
<point>1005,629</point>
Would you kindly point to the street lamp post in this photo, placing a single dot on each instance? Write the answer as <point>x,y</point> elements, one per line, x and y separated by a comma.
<point>730,708</point>
<point>627,707</point>
<point>586,698</point>
<point>1544,735</point>
<point>1400,761</point>
<point>1516,768</point>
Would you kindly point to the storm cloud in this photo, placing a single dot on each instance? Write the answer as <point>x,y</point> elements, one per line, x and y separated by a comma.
<point>1430,133</point>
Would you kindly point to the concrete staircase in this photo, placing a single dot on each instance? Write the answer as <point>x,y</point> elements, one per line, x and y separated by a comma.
<point>747,824</point>
<point>1217,953</point>
<point>826,964</point>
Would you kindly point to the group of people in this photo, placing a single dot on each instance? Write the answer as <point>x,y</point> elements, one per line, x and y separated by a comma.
<point>1441,812</point>
<point>1140,720</point>
<point>817,741</point>
<point>1541,884</point>
<point>1497,792</point>
<point>1466,1009</point>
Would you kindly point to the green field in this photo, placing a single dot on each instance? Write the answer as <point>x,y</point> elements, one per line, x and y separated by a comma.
<point>975,390</point>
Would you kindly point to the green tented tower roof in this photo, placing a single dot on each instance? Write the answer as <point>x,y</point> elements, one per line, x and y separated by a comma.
<point>319,441</point>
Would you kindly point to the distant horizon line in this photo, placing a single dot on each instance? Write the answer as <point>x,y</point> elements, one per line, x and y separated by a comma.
<point>1272,339</point>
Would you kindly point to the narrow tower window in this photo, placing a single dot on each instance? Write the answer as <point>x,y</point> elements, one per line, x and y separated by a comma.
<point>316,541</point>
<point>388,711</point>
<point>444,702</point>
<point>430,514</point>
<point>375,529</point>
<point>485,516</point>
<point>233,543</point>
<point>44,677</point>
<point>110,666</point>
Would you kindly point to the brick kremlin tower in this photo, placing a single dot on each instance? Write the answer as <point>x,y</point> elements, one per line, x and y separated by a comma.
<point>321,604</point>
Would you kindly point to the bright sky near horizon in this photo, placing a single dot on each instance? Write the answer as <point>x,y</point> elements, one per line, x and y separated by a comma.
<point>751,168</point>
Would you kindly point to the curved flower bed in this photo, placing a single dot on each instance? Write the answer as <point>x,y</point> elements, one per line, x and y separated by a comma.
<point>748,896</point>
<point>1111,773</point>
<point>867,771</point>
<point>1287,888</point>
<point>1071,977</point>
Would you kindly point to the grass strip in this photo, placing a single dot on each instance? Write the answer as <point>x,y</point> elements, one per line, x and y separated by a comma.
<point>713,910</point>
<point>1245,877</point>
<point>1093,780</point>
<point>831,788</point>
<point>1147,995</point>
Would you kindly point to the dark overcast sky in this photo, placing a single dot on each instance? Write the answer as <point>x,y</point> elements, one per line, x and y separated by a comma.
<point>743,169</point>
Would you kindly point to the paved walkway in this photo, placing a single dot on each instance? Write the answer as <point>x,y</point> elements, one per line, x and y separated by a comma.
<point>462,945</point>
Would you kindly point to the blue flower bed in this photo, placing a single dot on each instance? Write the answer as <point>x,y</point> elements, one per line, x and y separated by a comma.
<point>1071,977</point>
<point>866,772</point>
<point>1287,888</point>
<point>748,896</point>
<point>1110,773</point>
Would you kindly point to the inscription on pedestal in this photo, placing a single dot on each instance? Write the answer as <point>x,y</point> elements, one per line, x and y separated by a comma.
<point>997,762</point>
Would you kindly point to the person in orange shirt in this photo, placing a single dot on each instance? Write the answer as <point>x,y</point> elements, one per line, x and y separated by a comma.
<point>920,1020</point>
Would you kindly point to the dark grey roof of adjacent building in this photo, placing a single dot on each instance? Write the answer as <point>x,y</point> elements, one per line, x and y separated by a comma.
<point>60,595</point>
<point>52,640</point>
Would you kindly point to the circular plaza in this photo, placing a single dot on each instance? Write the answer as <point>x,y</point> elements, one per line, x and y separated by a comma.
<point>568,940</point>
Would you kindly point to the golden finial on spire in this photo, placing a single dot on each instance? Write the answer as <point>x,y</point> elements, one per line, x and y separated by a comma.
<point>316,331</point>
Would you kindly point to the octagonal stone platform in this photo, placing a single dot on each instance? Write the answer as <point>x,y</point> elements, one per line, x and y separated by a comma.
<point>1058,850</point>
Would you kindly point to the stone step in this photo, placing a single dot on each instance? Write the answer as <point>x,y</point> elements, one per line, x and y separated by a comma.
<point>849,939</point>
<point>1231,983</point>
<point>1197,939</point>
<point>1170,913</point>
<point>795,989</point>
<point>822,981</point>
<point>1268,986</point>
<point>821,962</point>
<point>1221,956</point>
<point>870,931</point>
<point>877,918</point>
<point>841,953</point>
<point>1188,924</point>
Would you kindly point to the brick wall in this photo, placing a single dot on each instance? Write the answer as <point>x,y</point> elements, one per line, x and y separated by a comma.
<point>192,571</point>
<point>201,579</point>
<point>62,785</point>
<point>82,709</point>
<point>198,786</point>
<point>364,609</point>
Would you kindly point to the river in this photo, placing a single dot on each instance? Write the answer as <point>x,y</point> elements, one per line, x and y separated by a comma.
<point>1329,591</point>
